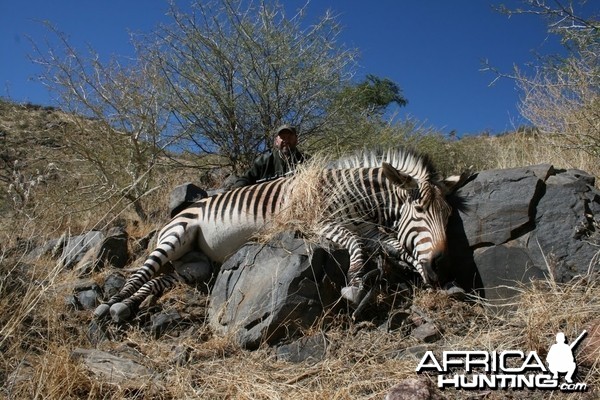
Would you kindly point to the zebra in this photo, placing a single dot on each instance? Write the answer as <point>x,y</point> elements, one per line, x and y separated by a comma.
<point>394,198</point>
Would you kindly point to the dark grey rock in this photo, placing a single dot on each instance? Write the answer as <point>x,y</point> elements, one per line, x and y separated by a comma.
<point>501,203</point>
<point>89,299</point>
<point>142,245</point>
<point>113,284</point>
<point>194,267</point>
<point>51,248</point>
<point>113,250</point>
<point>265,292</point>
<point>97,332</point>
<point>311,349</point>
<point>504,267</point>
<point>162,322</point>
<point>522,224</point>
<point>564,237</point>
<point>183,196</point>
<point>72,302</point>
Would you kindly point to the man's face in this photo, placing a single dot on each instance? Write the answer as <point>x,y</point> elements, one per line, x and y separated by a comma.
<point>286,141</point>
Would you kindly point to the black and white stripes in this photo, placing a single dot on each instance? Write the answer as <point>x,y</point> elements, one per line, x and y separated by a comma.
<point>392,198</point>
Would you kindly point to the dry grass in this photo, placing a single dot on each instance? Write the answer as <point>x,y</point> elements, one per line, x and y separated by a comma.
<point>522,149</point>
<point>38,334</point>
<point>304,207</point>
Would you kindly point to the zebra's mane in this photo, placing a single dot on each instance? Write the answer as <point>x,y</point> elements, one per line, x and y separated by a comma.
<point>405,160</point>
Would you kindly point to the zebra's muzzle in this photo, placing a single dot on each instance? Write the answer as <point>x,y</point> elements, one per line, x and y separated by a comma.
<point>430,267</point>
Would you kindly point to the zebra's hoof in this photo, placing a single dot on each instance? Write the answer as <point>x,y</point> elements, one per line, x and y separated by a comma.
<point>120,312</point>
<point>353,294</point>
<point>101,311</point>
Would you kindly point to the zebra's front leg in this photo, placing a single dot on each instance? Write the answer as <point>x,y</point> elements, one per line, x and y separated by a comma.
<point>355,290</point>
<point>122,311</point>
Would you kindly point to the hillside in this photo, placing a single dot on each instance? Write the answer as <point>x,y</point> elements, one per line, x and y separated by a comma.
<point>50,347</point>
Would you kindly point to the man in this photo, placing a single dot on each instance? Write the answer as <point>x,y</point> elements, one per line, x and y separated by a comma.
<point>283,159</point>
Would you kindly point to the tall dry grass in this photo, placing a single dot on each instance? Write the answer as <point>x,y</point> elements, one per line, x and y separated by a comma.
<point>304,207</point>
<point>39,333</point>
<point>522,149</point>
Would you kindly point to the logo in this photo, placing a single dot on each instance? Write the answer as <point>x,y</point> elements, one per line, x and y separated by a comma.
<point>510,369</point>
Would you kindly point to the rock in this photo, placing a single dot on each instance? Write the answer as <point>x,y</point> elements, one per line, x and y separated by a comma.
<point>183,196</point>
<point>307,349</point>
<point>113,250</point>
<point>110,251</point>
<point>164,321</point>
<point>72,303</point>
<point>51,248</point>
<point>97,332</point>
<point>87,295</point>
<point>140,247</point>
<point>267,291</point>
<point>562,211</point>
<point>521,224</point>
<point>426,332</point>
<point>500,204</point>
<point>194,267</point>
<point>503,267</point>
<point>414,389</point>
<point>113,284</point>
<point>454,292</point>
<point>89,299</point>
<point>77,246</point>
<point>112,368</point>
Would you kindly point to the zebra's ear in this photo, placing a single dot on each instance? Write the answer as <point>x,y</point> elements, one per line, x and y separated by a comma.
<point>398,178</point>
<point>454,182</point>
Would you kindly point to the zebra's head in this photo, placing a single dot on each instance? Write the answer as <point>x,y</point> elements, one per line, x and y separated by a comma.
<point>424,213</point>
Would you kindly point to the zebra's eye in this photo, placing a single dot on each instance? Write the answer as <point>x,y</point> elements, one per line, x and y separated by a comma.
<point>419,209</point>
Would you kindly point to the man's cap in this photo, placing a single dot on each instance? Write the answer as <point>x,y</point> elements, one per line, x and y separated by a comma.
<point>286,127</point>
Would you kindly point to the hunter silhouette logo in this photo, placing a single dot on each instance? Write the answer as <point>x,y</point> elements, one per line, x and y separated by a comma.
<point>510,369</point>
<point>560,357</point>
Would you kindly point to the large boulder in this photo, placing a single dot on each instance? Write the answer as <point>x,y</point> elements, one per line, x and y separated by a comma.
<point>521,224</point>
<point>266,291</point>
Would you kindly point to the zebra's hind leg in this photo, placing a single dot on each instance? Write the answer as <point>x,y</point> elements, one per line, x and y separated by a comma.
<point>122,311</point>
<point>193,268</point>
<point>174,241</point>
<point>133,284</point>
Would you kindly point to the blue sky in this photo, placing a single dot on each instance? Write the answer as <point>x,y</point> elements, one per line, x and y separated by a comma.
<point>433,49</point>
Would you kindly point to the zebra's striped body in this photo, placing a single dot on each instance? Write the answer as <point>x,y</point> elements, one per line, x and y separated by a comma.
<point>393,200</point>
